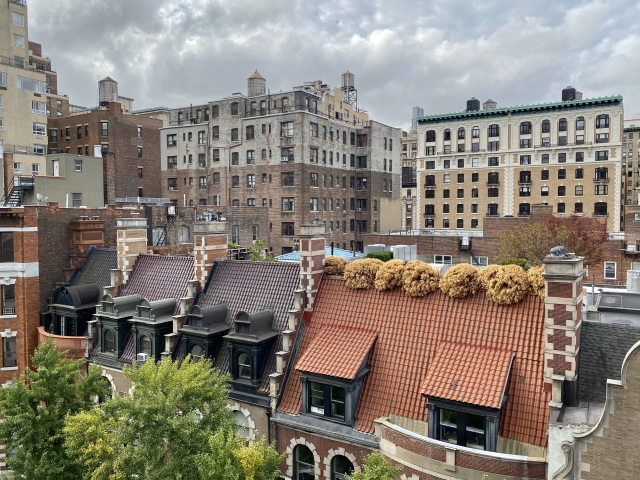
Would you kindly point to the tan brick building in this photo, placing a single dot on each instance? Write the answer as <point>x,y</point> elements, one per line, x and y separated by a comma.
<point>501,161</point>
<point>410,192</point>
<point>631,159</point>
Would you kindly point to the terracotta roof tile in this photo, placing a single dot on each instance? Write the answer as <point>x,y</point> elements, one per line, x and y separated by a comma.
<point>337,351</point>
<point>409,332</point>
<point>468,373</point>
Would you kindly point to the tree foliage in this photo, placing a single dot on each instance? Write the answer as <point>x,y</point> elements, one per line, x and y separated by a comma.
<point>583,236</point>
<point>257,253</point>
<point>174,425</point>
<point>376,467</point>
<point>34,408</point>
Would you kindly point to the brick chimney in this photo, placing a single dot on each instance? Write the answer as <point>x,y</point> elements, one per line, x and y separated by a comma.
<point>312,253</point>
<point>87,232</point>
<point>563,318</point>
<point>131,242</point>
<point>109,177</point>
<point>209,244</point>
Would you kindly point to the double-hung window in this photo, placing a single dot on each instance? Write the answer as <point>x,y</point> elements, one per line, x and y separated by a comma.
<point>326,400</point>
<point>610,270</point>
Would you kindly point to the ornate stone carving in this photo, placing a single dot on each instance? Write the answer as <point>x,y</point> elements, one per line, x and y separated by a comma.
<point>566,471</point>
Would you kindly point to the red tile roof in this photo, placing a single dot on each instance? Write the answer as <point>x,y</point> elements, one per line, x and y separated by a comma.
<point>468,374</point>
<point>337,351</point>
<point>410,331</point>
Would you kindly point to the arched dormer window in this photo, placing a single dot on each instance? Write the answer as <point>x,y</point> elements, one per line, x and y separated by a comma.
<point>244,366</point>
<point>145,345</point>
<point>196,352</point>
<point>109,341</point>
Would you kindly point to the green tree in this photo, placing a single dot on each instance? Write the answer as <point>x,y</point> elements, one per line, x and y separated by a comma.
<point>174,425</point>
<point>376,467</point>
<point>34,408</point>
<point>257,252</point>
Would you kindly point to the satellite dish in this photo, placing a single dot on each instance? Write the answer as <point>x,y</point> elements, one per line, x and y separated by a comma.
<point>41,198</point>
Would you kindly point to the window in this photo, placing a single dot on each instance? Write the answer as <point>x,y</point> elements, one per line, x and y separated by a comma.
<point>341,467</point>
<point>35,169</point>
<point>244,366</point>
<point>18,41</point>
<point>578,208</point>
<point>544,175</point>
<point>235,158</point>
<point>39,108</point>
<point>602,138</point>
<point>431,136</point>
<point>562,191</point>
<point>562,125</point>
<point>442,259</point>
<point>287,229</point>
<point>235,203</point>
<point>39,128</point>
<point>602,155</point>
<point>3,79</point>
<point>445,208</point>
<point>251,181</point>
<point>172,162</point>
<point>313,204</point>
<point>525,143</point>
<point>461,193</point>
<point>579,156</point>
<point>78,165</point>
<point>429,210</point>
<point>286,129</point>
<point>562,158</point>
<point>286,154</point>
<point>201,140</point>
<point>610,270</point>
<point>464,429</point>
<point>578,190</point>
<point>461,133</point>
<point>104,131</point>
<point>304,465</point>
<point>109,341</point>
<point>602,189</point>
<point>546,142</point>
<point>326,400</point>
<point>493,161</point>
<point>251,157</point>
<point>546,126</point>
<point>202,183</point>
<point>18,19</point>
<point>525,159</point>
<point>233,107</point>
<point>41,149</point>
<point>446,178</point>
<point>580,123</point>
<point>234,134</point>
<point>562,174</point>
<point>544,192</point>
<point>525,191</point>
<point>215,132</point>
<point>494,130</point>
<point>145,345</point>
<point>602,173</point>
<point>235,181</point>
<point>6,247</point>
<point>602,121</point>
<point>525,128</point>
<point>313,129</point>
<point>460,208</point>
<point>445,193</point>
<point>430,151</point>
<point>524,210</point>
<point>250,132</point>
<point>579,173</point>
<point>492,210</point>
<point>461,163</point>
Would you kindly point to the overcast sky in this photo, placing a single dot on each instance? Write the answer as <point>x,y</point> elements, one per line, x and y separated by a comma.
<point>430,53</point>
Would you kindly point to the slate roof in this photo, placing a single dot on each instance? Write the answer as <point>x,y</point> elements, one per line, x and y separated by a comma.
<point>337,252</point>
<point>96,267</point>
<point>127,353</point>
<point>603,347</point>
<point>410,331</point>
<point>337,351</point>
<point>156,277</point>
<point>468,374</point>
<point>252,287</point>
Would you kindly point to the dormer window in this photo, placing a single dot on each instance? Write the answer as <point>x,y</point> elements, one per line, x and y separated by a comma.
<point>202,332</point>
<point>145,345</point>
<point>464,429</point>
<point>244,366</point>
<point>196,352</point>
<point>326,400</point>
<point>109,341</point>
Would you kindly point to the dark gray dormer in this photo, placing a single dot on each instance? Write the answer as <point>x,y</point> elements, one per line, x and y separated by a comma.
<point>112,316</point>
<point>204,329</point>
<point>250,344</point>
<point>150,323</point>
<point>72,307</point>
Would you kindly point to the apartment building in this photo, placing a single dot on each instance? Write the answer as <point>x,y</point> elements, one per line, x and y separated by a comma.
<point>631,159</point>
<point>23,120</point>
<point>501,161</point>
<point>57,105</point>
<point>134,141</point>
<point>409,181</point>
<point>281,152</point>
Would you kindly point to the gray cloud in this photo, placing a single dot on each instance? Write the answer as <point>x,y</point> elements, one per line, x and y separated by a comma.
<point>431,53</point>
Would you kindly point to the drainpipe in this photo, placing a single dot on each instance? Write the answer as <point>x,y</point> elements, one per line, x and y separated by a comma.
<point>269,425</point>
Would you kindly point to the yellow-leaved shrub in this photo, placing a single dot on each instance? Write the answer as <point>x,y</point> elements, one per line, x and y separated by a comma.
<point>419,279</point>
<point>536,281</point>
<point>362,273</point>
<point>335,265</point>
<point>390,275</point>
<point>460,281</point>
<point>508,286</point>
<point>485,275</point>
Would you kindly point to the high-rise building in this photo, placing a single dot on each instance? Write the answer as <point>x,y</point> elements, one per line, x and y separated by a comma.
<point>479,163</point>
<point>302,154</point>
<point>416,112</point>
<point>631,159</point>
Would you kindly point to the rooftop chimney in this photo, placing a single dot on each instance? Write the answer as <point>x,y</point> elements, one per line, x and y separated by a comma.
<point>209,244</point>
<point>131,242</point>
<point>312,253</point>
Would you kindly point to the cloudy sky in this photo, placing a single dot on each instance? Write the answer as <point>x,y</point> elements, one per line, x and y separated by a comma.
<point>430,53</point>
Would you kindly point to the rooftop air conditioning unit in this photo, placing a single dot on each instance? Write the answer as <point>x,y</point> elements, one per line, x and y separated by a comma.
<point>142,357</point>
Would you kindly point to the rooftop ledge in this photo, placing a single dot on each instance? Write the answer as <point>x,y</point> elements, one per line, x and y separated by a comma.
<point>384,421</point>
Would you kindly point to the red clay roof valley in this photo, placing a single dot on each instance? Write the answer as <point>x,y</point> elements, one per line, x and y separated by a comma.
<point>337,351</point>
<point>410,330</point>
<point>468,373</point>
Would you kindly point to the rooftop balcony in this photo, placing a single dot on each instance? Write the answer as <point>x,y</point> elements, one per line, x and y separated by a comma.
<point>74,345</point>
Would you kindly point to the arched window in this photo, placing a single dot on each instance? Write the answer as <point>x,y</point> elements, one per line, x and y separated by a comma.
<point>304,465</point>
<point>145,345</point>
<point>546,126</point>
<point>525,128</point>
<point>431,135</point>
<point>196,352</point>
<point>602,121</point>
<point>447,134</point>
<point>562,125</point>
<point>108,392</point>
<point>244,366</point>
<point>341,466</point>
<point>109,341</point>
<point>580,123</point>
<point>475,132</point>
<point>461,133</point>
<point>243,425</point>
<point>183,235</point>
<point>494,130</point>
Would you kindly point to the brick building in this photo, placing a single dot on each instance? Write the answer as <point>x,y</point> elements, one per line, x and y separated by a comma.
<point>410,191</point>
<point>500,161</point>
<point>284,153</point>
<point>57,105</point>
<point>134,141</point>
<point>631,159</point>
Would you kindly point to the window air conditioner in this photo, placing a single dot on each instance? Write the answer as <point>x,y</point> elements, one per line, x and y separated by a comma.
<point>8,311</point>
<point>142,357</point>
<point>631,247</point>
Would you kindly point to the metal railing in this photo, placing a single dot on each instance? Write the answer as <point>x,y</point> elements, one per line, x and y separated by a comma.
<point>22,3</point>
<point>18,149</point>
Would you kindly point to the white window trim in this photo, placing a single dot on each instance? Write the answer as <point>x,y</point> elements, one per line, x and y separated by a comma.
<point>486,261</point>
<point>443,259</point>
<point>615,271</point>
